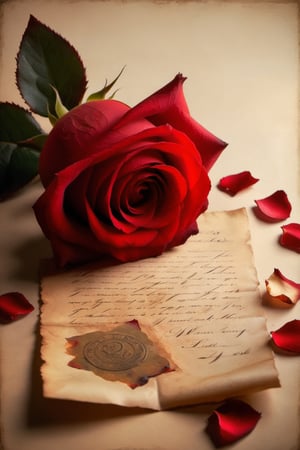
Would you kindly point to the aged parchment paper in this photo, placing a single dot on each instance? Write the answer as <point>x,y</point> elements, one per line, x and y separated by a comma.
<point>199,301</point>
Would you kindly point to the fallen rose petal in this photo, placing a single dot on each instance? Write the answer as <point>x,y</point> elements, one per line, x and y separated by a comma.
<point>231,421</point>
<point>232,184</point>
<point>281,288</point>
<point>274,208</point>
<point>288,336</point>
<point>290,237</point>
<point>13,306</point>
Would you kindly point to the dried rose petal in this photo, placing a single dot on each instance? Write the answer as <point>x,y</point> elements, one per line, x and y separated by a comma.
<point>274,208</point>
<point>288,336</point>
<point>232,184</point>
<point>281,288</point>
<point>290,237</point>
<point>13,306</point>
<point>231,421</point>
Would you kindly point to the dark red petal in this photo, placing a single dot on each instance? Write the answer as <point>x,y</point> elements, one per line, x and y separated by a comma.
<point>77,135</point>
<point>290,237</point>
<point>288,336</point>
<point>13,306</point>
<point>231,421</point>
<point>232,184</point>
<point>114,238</point>
<point>167,189</point>
<point>281,288</point>
<point>274,208</point>
<point>168,106</point>
<point>75,194</point>
<point>67,253</point>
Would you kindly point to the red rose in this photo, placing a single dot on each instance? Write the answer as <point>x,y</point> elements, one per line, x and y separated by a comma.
<point>126,183</point>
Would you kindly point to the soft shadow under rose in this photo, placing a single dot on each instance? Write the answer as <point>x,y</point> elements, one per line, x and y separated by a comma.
<point>125,183</point>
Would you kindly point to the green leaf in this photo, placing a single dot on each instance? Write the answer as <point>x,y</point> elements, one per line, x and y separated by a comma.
<point>100,95</point>
<point>36,142</point>
<point>17,124</point>
<point>18,166</point>
<point>21,140</point>
<point>46,60</point>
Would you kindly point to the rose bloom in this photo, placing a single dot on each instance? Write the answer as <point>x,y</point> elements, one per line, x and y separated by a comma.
<point>125,183</point>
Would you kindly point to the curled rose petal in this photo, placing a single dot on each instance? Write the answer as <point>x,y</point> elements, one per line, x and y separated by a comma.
<point>232,184</point>
<point>290,237</point>
<point>288,337</point>
<point>231,421</point>
<point>168,105</point>
<point>13,306</point>
<point>281,288</point>
<point>274,208</point>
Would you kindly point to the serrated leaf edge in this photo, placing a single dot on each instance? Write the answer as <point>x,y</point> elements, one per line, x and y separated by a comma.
<point>27,111</point>
<point>33,19</point>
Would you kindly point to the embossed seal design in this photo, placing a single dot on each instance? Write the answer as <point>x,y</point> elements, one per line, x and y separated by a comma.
<point>124,353</point>
<point>115,352</point>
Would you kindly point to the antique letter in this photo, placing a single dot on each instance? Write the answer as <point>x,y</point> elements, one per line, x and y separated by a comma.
<point>198,304</point>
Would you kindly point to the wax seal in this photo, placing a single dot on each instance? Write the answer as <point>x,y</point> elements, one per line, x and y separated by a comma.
<point>115,352</point>
<point>124,353</point>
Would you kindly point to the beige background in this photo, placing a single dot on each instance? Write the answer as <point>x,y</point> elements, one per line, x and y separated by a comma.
<point>241,60</point>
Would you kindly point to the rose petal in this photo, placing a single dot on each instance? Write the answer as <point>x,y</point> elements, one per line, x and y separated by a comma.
<point>168,106</point>
<point>13,306</point>
<point>83,120</point>
<point>290,237</point>
<point>281,288</point>
<point>231,421</point>
<point>99,124</point>
<point>288,336</point>
<point>274,208</point>
<point>232,184</point>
